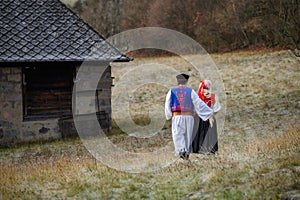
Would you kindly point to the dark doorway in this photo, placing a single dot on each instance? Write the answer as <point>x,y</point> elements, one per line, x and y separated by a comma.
<point>47,91</point>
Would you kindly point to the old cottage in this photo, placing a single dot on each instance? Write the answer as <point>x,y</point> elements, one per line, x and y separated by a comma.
<point>42,45</point>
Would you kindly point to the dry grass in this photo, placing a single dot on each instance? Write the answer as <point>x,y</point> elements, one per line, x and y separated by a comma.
<point>259,156</point>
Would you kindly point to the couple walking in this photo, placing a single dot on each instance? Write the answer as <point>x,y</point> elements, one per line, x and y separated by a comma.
<point>192,134</point>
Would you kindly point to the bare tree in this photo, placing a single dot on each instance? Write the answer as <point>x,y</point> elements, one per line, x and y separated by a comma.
<point>277,22</point>
<point>102,15</point>
<point>218,25</point>
<point>235,14</point>
<point>178,15</point>
<point>134,14</point>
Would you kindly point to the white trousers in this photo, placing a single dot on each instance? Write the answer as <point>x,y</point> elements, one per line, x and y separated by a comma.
<point>182,130</point>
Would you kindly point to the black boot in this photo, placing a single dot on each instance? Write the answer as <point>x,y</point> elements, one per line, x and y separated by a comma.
<point>182,155</point>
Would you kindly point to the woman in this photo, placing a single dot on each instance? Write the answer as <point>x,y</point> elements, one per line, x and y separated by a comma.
<point>205,137</point>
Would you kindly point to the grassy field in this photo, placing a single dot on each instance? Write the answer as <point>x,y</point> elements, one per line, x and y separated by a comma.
<point>259,147</point>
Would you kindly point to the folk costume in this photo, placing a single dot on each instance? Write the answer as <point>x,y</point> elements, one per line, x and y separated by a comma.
<point>181,103</point>
<point>205,136</point>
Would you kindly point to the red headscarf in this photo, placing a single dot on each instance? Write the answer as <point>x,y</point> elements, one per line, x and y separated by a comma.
<point>205,85</point>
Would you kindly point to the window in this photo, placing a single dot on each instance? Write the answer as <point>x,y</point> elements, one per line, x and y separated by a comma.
<point>47,91</point>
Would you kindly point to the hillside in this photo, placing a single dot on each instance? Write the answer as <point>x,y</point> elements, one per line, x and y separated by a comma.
<point>259,145</point>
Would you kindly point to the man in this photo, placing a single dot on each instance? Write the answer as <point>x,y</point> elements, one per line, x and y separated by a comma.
<point>181,102</point>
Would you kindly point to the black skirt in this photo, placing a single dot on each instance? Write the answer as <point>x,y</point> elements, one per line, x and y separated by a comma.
<point>205,138</point>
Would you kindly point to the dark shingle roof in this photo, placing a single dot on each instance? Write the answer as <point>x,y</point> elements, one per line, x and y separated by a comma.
<point>46,30</point>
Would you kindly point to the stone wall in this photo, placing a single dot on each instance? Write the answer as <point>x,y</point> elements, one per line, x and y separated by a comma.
<point>13,129</point>
<point>10,104</point>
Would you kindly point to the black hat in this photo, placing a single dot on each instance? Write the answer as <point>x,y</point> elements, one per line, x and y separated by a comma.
<point>182,77</point>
